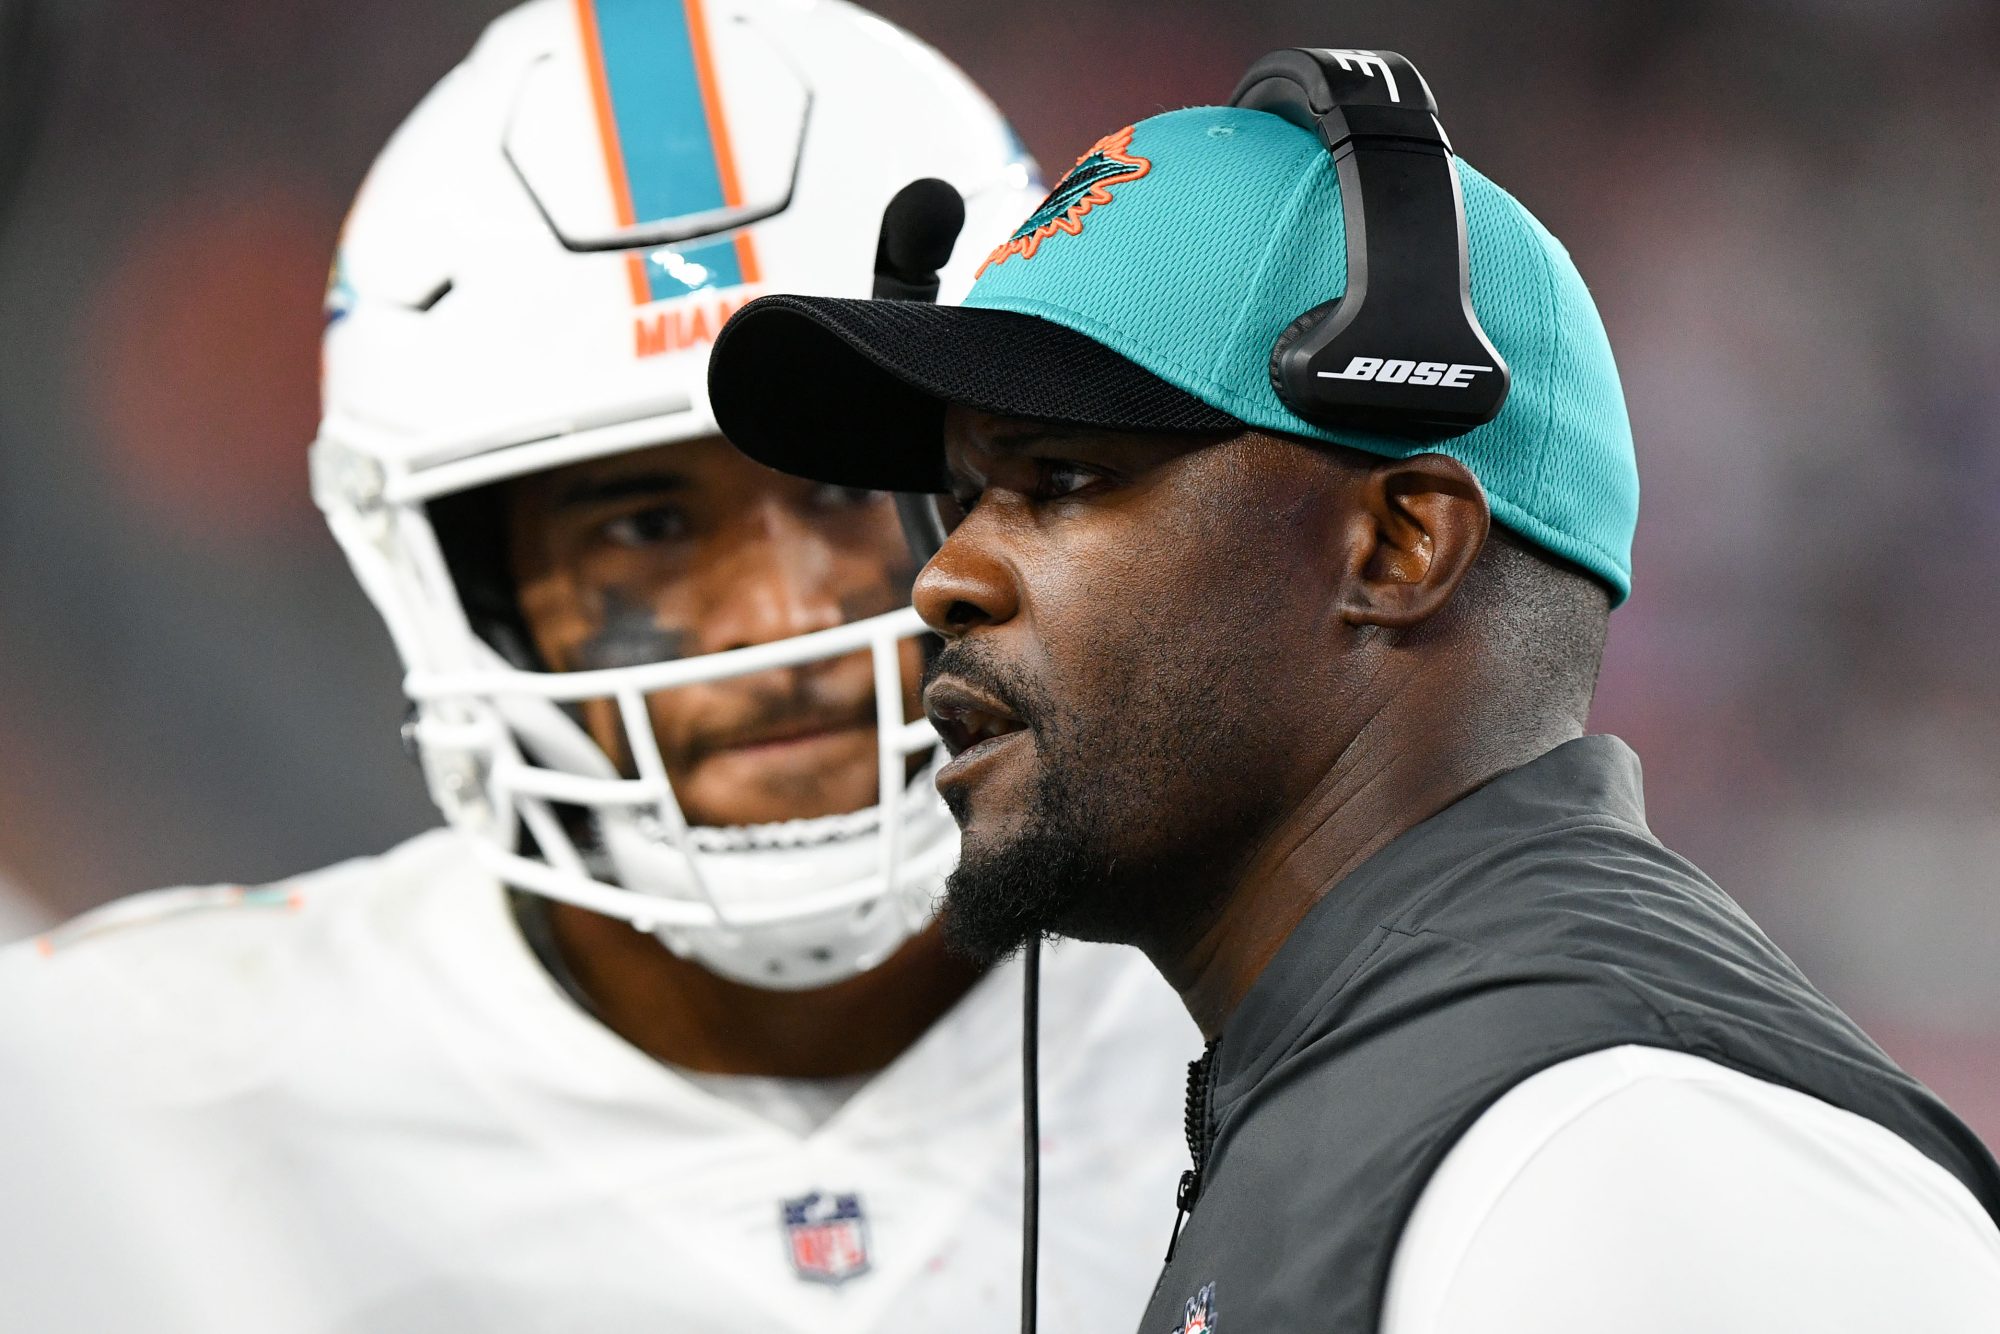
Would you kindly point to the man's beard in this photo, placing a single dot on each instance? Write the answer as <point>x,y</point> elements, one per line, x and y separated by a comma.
<point>1064,871</point>
<point>999,898</point>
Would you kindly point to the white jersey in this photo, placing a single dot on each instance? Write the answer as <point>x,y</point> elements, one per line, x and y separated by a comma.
<point>392,1104</point>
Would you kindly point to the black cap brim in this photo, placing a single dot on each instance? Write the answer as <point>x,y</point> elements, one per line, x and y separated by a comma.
<point>854,392</point>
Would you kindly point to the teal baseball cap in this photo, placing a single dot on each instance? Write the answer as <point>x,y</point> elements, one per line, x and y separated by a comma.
<point>1146,293</point>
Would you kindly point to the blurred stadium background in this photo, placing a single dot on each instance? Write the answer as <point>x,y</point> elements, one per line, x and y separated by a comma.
<point>1787,209</point>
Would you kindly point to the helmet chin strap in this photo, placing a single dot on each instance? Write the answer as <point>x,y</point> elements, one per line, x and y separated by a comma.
<point>740,870</point>
<point>743,870</point>
<point>792,904</point>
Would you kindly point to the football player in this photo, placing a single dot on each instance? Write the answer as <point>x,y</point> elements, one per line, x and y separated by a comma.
<point>657,1032</point>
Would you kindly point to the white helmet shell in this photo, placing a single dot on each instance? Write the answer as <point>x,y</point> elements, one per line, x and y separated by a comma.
<point>533,275</point>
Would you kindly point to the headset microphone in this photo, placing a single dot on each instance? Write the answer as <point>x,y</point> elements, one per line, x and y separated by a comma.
<point>1400,352</point>
<point>919,228</point>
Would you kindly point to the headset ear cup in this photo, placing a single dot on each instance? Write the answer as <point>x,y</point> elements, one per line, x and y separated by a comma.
<point>1295,331</point>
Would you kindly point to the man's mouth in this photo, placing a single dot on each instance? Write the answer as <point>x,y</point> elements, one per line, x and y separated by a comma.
<point>966,717</point>
<point>780,732</point>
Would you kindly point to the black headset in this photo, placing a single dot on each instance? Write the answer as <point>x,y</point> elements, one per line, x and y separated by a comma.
<point>1401,351</point>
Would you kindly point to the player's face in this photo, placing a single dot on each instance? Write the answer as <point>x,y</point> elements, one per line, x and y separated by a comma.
<point>692,548</point>
<point>1133,617</point>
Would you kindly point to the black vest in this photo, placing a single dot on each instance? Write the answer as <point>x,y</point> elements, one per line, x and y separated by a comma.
<point>1533,921</point>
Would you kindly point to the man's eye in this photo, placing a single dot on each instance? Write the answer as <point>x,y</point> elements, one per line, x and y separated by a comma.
<point>828,497</point>
<point>1060,479</point>
<point>647,527</point>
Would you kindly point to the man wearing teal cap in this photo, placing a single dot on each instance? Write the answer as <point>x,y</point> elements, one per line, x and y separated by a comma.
<point>1293,699</point>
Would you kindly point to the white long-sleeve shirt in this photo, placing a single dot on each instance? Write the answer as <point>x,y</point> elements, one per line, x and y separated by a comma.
<point>1640,1191</point>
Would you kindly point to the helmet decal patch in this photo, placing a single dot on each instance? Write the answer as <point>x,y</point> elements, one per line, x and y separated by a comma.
<point>683,324</point>
<point>665,138</point>
<point>1084,187</point>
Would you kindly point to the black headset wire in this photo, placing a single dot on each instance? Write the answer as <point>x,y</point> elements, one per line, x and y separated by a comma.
<point>919,229</point>
<point>1031,1129</point>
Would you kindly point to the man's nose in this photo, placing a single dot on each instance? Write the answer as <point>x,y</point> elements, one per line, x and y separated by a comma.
<point>780,583</point>
<point>966,584</point>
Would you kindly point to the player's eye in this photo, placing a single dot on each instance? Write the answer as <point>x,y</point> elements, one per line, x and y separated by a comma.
<point>647,527</point>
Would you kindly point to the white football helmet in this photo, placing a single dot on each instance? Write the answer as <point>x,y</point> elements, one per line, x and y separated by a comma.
<point>532,276</point>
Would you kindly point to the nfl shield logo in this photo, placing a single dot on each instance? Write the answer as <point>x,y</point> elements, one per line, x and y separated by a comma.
<point>828,1237</point>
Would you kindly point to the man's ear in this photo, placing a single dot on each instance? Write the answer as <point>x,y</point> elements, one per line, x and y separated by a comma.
<point>1419,522</point>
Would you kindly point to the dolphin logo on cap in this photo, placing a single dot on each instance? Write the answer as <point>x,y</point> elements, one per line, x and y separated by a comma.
<point>1085,186</point>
